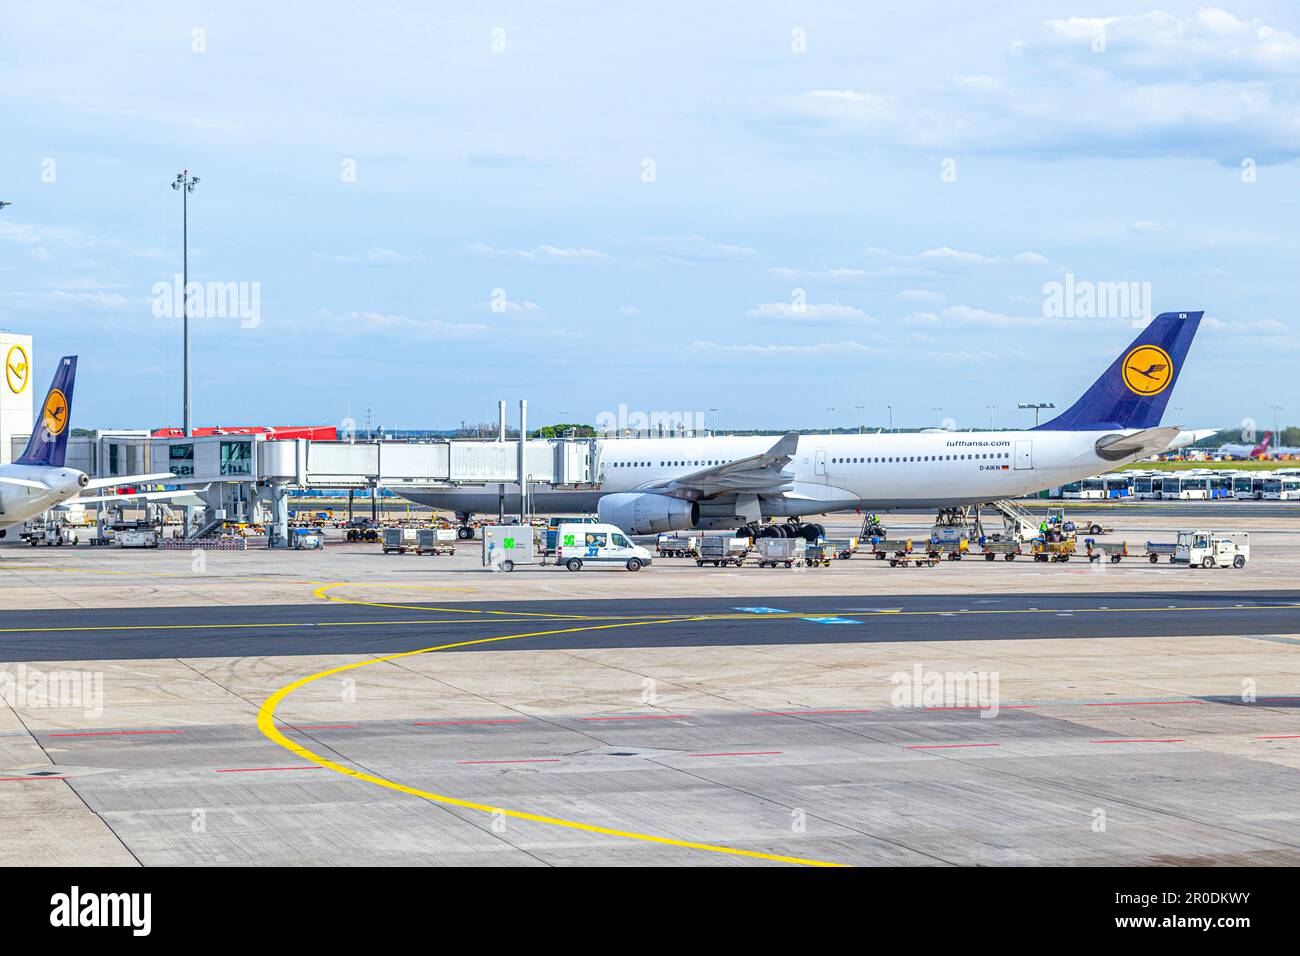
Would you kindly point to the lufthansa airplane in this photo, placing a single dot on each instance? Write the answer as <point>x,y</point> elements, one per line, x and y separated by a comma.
<point>668,484</point>
<point>38,480</point>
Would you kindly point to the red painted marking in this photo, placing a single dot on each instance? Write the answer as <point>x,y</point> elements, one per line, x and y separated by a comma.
<point>1141,703</point>
<point>978,707</point>
<point>641,717</point>
<point>1280,737</point>
<point>802,713</point>
<point>535,760</point>
<point>741,753</point>
<point>6,779</point>
<point>1143,740</point>
<point>319,727</point>
<point>258,769</point>
<point>946,746</point>
<point>115,733</point>
<point>443,723</point>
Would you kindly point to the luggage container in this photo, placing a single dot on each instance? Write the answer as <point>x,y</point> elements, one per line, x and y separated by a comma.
<point>399,540</point>
<point>1160,549</point>
<point>721,550</point>
<point>1045,550</point>
<point>1113,551</point>
<point>674,545</point>
<point>773,552</point>
<point>842,548</point>
<point>817,556</point>
<point>435,541</point>
<point>1009,548</point>
<point>508,545</point>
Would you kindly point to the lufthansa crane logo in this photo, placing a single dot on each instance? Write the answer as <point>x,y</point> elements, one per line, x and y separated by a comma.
<point>1148,370</point>
<point>55,413</point>
<point>17,369</point>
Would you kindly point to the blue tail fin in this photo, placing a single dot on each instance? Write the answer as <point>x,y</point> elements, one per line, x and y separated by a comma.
<point>1134,391</point>
<point>49,441</point>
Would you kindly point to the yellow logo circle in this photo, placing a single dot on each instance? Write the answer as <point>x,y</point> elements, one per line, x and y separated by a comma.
<point>1148,370</point>
<point>55,413</point>
<point>17,368</point>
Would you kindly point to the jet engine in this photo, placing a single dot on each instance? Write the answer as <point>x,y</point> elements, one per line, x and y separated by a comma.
<point>647,513</point>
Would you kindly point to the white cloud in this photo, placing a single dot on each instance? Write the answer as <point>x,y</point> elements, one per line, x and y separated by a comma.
<point>809,312</point>
<point>545,255</point>
<point>822,275</point>
<point>819,348</point>
<point>374,256</point>
<point>694,248</point>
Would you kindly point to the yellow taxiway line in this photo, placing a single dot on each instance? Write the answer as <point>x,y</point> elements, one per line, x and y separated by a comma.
<point>266,723</point>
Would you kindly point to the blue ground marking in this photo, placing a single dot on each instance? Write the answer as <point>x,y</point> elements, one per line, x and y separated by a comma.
<point>813,620</point>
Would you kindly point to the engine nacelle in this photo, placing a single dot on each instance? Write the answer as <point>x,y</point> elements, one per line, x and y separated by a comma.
<point>647,513</point>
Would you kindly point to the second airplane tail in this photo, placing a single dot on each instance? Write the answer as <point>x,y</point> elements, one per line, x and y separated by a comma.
<point>1134,391</point>
<point>49,442</point>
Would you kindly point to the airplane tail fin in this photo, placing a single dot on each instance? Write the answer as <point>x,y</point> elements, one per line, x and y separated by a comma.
<point>1134,391</point>
<point>1260,450</point>
<point>49,442</point>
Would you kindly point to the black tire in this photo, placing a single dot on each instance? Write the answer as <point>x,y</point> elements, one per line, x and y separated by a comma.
<point>1010,556</point>
<point>1207,562</point>
<point>573,564</point>
<point>990,557</point>
<point>699,562</point>
<point>1239,562</point>
<point>1114,559</point>
<point>1154,558</point>
<point>634,564</point>
<point>507,565</point>
<point>464,534</point>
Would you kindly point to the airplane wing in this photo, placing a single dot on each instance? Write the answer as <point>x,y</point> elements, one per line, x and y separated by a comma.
<point>1148,441</point>
<point>757,474</point>
<point>24,483</point>
<point>137,496</point>
<point>97,483</point>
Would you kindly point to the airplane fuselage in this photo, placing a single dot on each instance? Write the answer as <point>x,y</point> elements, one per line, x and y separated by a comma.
<point>876,472</point>
<point>19,504</point>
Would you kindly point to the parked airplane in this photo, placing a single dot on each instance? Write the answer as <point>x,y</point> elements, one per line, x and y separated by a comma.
<point>38,480</point>
<point>668,484</point>
<point>1261,449</point>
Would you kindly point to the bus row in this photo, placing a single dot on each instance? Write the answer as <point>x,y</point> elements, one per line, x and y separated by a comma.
<point>1281,485</point>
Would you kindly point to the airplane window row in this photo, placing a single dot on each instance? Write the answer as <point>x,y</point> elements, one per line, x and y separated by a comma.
<point>663,464</point>
<point>872,461</point>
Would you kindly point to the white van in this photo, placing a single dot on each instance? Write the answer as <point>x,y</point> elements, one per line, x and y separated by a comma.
<point>581,544</point>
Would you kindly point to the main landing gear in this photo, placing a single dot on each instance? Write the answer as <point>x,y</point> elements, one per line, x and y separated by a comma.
<point>466,531</point>
<point>790,529</point>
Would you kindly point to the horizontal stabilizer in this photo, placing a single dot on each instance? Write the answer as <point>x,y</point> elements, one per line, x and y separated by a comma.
<point>24,483</point>
<point>1149,441</point>
<point>97,483</point>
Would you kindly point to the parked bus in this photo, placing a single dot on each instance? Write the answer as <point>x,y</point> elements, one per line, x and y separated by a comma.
<point>1284,488</point>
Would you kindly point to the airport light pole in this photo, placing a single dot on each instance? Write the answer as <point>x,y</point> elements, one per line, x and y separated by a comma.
<point>859,409</point>
<point>1277,437</point>
<point>937,420</point>
<point>185,183</point>
<point>1037,407</point>
<point>830,421</point>
<point>891,417</point>
<point>714,413</point>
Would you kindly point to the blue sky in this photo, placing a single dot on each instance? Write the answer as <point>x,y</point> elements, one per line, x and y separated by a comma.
<point>919,173</point>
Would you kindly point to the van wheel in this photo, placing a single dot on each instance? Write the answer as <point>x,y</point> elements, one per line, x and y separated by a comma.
<point>507,565</point>
<point>1239,562</point>
<point>634,564</point>
<point>1207,562</point>
<point>573,564</point>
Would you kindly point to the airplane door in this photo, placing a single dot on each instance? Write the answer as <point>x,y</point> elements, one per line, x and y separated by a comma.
<point>1024,454</point>
<point>820,467</point>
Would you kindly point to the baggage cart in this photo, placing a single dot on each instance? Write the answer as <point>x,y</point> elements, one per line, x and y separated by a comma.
<point>722,550</point>
<point>774,552</point>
